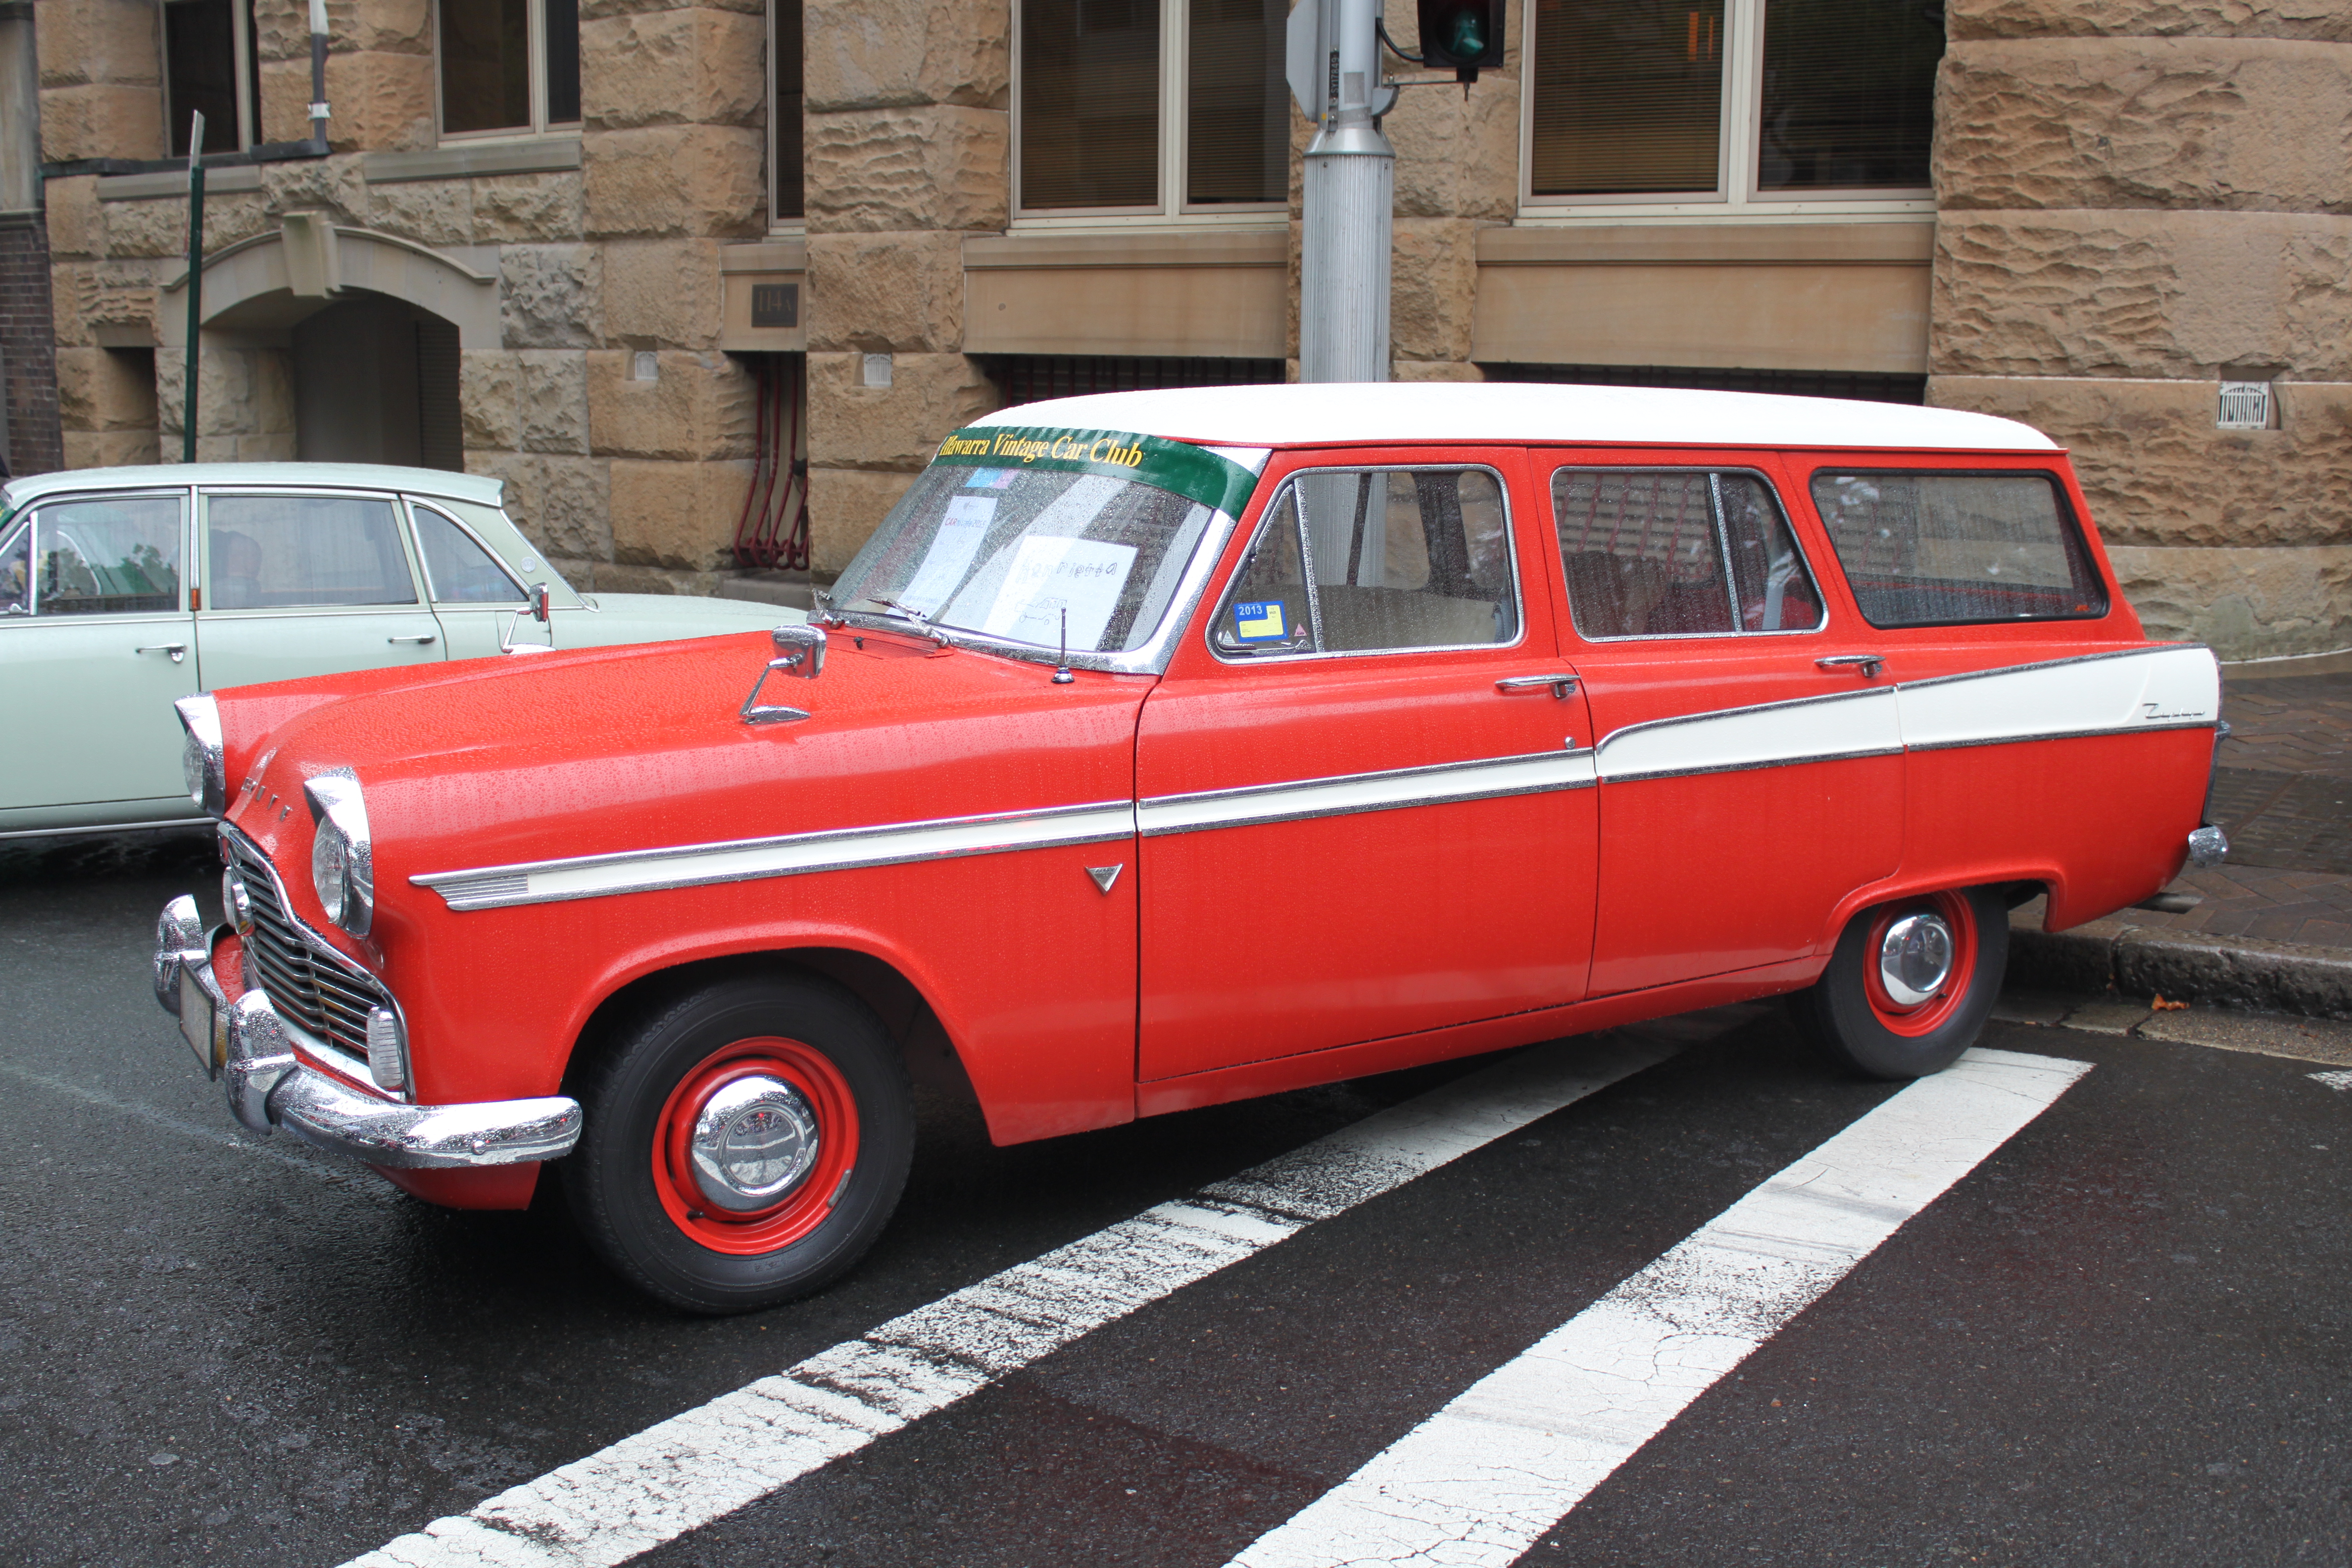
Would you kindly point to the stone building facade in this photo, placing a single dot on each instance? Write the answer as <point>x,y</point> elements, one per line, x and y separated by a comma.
<point>2086,214</point>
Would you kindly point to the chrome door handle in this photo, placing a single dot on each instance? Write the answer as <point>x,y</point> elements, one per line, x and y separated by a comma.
<point>178,650</point>
<point>421,639</point>
<point>1870,664</point>
<point>1559,686</point>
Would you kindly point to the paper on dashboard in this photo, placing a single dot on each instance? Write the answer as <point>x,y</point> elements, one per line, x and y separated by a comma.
<point>1049,575</point>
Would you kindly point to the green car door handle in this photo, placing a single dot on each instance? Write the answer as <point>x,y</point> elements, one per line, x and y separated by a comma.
<point>421,639</point>
<point>178,650</point>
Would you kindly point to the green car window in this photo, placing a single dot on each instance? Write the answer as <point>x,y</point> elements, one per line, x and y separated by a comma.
<point>103,557</point>
<point>458,570</point>
<point>273,553</point>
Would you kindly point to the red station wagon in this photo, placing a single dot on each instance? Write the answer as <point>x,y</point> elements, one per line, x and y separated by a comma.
<point>1163,749</point>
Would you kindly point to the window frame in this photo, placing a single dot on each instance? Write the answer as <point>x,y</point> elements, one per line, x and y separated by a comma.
<point>1307,560</point>
<point>535,52</point>
<point>1737,149</point>
<point>201,517</point>
<point>26,521</point>
<point>2074,537</point>
<point>425,563</point>
<point>1723,553</point>
<point>1171,209</point>
<point>795,226</point>
<point>248,83</point>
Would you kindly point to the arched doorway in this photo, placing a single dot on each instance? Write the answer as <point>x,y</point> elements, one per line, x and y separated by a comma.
<point>375,381</point>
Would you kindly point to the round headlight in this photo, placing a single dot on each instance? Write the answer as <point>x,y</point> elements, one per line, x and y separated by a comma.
<point>330,869</point>
<point>342,858</point>
<point>201,763</point>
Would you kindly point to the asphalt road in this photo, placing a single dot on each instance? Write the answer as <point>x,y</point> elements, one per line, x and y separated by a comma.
<point>2124,1337</point>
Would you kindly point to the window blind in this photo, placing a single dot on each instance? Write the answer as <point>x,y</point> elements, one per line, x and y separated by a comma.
<point>1236,107</point>
<point>1628,97</point>
<point>1090,103</point>
<point>1848,92</point>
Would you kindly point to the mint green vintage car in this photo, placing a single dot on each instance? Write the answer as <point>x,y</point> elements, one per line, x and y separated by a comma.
<point>123,590</point>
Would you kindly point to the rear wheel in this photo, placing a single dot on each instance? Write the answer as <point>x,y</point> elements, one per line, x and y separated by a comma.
<point>1910,984</point>
<point>743,1146</point>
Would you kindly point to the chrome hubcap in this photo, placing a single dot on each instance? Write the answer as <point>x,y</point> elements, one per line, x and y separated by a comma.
<point>1916,958</point>
<point>754,1139</point>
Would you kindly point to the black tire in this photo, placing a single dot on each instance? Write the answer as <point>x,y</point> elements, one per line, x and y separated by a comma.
<point>1849,1019</point>
<point>627,1206</point>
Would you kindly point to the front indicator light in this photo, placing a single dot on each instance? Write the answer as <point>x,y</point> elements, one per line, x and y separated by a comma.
<point>387,1049</point>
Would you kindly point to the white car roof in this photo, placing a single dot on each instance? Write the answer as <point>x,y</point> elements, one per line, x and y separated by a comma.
<point>358,475</point>
<point>1399,412</point>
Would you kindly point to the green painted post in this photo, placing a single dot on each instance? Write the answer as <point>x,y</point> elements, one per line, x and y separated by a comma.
<point>196,285</point>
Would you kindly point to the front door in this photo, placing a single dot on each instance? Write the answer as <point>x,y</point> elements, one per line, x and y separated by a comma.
<point>1363,792</point>
<point>95,647</point>
<point>1750,754</point>
<point>307,584</point>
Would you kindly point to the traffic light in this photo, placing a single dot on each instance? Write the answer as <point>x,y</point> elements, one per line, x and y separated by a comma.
<point>1464,34</point>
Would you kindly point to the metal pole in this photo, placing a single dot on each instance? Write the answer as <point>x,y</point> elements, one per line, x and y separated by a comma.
<point>1351,198</point>
<point>196,287</point>
<point>319,73</point>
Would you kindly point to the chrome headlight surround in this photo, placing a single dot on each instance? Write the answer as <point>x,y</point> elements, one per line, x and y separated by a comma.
<point>342,856</point>
<point>203,764</point>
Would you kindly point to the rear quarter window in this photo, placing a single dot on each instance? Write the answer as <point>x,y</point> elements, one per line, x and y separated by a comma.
<point>1940,549</point>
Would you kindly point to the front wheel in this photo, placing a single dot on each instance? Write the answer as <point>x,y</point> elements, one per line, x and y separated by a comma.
<point>1910,983</point>
<point>743,1146</point>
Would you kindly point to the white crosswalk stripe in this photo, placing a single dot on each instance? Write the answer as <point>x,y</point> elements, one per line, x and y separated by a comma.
<point>1477,1483</point>
<point>689,1470</point>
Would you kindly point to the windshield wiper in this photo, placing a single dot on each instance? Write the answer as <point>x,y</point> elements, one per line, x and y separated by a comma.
<point>909,612</point>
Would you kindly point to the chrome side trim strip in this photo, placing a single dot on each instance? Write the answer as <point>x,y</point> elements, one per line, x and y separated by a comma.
<point>2025,736</point>
<point>1749,767</point>
<point>1395,789</point>
<point>792,855</point>
<point>167,826</point>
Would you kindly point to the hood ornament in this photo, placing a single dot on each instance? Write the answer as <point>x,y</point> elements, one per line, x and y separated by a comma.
<point>800,650</point>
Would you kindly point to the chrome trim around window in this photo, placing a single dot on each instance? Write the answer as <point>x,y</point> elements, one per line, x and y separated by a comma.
<point>1314,598</point>
<point>425,566</point>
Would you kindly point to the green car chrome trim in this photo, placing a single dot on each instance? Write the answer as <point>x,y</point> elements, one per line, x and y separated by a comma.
<point>1193,472</point>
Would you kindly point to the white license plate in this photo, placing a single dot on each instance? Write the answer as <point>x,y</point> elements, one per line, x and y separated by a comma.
<point>197,1020</point>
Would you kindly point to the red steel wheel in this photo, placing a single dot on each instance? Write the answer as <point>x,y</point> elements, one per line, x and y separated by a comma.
<point>763,1108</point>
<point>741,1144</point>
<point>1918,958</point>
<point>1910,983</point>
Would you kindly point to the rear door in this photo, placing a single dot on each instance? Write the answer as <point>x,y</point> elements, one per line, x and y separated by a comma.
<point>1364,801</point>
<point>301,582</point>
<point>95,647</point>
<point>1750,751</point>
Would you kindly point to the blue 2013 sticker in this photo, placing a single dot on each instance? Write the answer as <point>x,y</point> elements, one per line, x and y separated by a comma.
<point>991,479</point>
<point>1259,620</point>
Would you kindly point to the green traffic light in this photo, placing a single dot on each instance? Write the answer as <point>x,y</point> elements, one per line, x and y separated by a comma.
<point>1468,38</point>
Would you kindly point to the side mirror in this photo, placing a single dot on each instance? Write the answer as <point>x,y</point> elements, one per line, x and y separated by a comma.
<point>800,650</point>
<point>538,601</point>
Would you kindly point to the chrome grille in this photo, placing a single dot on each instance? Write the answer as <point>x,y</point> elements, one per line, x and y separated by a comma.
<point>327,998</point>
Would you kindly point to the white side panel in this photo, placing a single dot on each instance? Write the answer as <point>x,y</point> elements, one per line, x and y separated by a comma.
<point>1366,791</point>
<point>1859,723</point>
<point>2161,688</point>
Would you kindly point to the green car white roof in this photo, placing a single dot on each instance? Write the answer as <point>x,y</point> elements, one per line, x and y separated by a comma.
<point>354,476</point>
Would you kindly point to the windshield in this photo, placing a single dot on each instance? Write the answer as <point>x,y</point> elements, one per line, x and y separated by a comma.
<point>1030,536</point>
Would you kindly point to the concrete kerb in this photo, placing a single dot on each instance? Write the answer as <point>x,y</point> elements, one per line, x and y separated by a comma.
<point>2241,973</point>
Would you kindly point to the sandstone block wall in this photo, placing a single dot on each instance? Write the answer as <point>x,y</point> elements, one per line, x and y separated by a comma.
<point>2139,200</point>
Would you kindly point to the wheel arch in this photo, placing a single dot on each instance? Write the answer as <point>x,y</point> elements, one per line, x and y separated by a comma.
<point>932,1058</point>
<point>2019,884</point>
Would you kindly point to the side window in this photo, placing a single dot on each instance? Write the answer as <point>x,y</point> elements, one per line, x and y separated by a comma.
<point>458,571</point>
<point>1678,553</point>
<point>272,552</point>
<point>97,558</point>
<point>16,571</point>
<point>1363,560</point>
<point>1944,549</point>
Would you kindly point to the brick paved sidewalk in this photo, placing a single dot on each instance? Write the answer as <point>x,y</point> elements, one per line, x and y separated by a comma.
<point>2283,793</point>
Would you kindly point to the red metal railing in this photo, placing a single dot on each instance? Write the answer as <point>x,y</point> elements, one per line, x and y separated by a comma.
<point>774,531</point>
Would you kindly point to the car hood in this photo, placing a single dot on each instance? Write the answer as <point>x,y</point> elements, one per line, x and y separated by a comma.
<point>551,756</point>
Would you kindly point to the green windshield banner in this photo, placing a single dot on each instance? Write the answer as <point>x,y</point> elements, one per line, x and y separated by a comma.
<point>1193,472</point>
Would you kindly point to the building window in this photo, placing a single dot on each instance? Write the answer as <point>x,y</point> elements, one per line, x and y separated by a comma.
<point>1734,102</point>
<point>509,66</point>
<point>785,183</point>
<point>209,68</point>
<point>1150,107</point>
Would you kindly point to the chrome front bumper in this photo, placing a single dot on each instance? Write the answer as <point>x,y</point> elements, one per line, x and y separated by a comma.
<point>248,1049</point>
